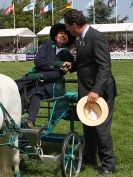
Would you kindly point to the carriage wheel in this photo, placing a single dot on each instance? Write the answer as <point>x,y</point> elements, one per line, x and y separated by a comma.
<point>71,156</point>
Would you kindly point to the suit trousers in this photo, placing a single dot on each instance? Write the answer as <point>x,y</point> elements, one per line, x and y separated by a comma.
<point>98,140</point>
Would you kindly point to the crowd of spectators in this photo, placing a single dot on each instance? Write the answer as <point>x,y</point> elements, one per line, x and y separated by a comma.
<point>115,45</point>
<point>12,48</point>
<point>120,45</point>
<point>7,48</point>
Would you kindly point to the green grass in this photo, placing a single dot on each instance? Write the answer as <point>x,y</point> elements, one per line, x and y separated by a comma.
<point>122,130</point>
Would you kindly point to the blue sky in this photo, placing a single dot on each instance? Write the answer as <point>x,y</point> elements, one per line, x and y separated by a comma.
<point>123,7</point>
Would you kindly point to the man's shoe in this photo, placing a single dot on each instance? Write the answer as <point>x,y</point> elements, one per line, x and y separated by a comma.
<point>105,172</point>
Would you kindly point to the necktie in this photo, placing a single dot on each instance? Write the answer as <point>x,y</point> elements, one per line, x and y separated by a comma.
<point>80,42</point>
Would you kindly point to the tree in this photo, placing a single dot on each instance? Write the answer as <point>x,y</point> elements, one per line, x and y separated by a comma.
<point>103,14</point>
<point>22,19</point>
<point>25,19</point>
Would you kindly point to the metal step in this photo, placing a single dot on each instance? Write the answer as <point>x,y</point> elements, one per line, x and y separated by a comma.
<point>44,158</point>
<point>31,131</point>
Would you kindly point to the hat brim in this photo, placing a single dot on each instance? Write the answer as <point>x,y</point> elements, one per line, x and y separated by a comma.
<point>100,108</point>
<point>60,27</point>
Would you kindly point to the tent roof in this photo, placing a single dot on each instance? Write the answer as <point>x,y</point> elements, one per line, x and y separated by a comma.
<point>105,28</point>
<point>130,28</point>
<point>44,31</point>
<point>22,32</point>
<point>95,26</point>
<point>114,27</point>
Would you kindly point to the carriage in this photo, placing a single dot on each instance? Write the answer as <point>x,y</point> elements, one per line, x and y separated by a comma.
<point>61,107</point>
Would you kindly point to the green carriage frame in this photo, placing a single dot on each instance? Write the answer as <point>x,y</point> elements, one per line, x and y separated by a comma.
<point>61,106</point>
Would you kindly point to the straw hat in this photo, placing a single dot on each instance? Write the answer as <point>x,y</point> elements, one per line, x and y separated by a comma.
<point>92,114</point>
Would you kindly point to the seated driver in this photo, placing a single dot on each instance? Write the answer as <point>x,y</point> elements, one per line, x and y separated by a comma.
<point>38,83</point>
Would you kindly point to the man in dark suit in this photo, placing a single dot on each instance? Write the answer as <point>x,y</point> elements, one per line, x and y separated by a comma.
<point>95,79</point>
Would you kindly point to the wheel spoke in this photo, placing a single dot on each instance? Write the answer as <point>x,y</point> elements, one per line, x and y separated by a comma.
<point>72,144</point>
<point>76,147</point>
<point>66,160</point>
<point>74,168</point>
<point>71,168</point>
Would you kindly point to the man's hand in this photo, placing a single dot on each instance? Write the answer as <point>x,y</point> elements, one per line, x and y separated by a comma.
<point>92,97</point>
<point>66,66</point>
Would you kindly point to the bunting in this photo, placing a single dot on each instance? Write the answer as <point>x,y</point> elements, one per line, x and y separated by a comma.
<point>68,6</point>
<point>30,7</point>
<point>9,9</point>
<point>46,8</point>
<point>69,1</point>
<point>111,3</point>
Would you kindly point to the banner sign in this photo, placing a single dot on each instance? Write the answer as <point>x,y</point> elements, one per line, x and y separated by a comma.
<point>30,57</point>
<point>24,57</point>
<point>121,55</point>
<point>13,57</point>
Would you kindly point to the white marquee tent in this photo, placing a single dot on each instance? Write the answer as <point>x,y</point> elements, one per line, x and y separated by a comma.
<point>21,32</point>
<point>105,28</point>
<point>16,34</point>
<point>118,28</point>
<point>44,31</point>
<point>130,28</point>
<point>124,28</point>
<point>114,27</point>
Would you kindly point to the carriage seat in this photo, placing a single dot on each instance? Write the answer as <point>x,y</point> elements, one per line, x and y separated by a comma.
<point>63,103</point>
<point>72,96</point>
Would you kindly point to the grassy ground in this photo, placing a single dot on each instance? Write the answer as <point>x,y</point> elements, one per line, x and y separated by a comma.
<point>122,130</point>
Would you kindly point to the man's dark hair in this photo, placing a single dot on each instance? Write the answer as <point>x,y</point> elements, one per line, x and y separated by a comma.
<point>74,16</point>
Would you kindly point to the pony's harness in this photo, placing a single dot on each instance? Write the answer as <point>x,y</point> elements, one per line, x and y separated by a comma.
<point>11,126</point>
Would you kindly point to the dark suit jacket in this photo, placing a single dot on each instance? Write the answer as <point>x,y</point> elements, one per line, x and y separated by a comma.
<point>93,65</point>
<point>46,58</point>
<point>45,63</point>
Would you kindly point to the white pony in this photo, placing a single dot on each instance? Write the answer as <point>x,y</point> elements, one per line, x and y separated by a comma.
<point>10,99</point>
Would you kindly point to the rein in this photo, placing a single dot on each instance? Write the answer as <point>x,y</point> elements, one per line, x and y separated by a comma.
<point>15,130</point>
<point>11,126</point>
